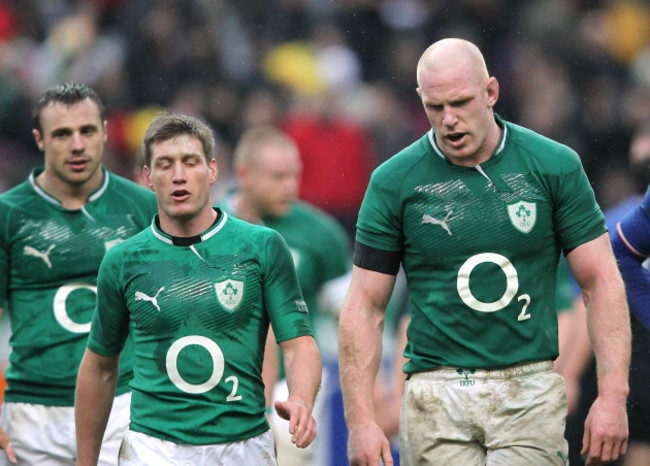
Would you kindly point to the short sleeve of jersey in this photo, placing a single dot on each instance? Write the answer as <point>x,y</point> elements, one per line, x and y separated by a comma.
<point>109,328</point>
<point>379,224</point>
<point>634,227</point>
<point>578,217</point>
<point>283,299</point>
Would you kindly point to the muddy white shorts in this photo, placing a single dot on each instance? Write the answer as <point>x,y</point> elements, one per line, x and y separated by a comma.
<point>511,417</point>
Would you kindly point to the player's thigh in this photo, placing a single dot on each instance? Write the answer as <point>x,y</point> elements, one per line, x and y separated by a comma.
<point>39,434</point>
<point>433,426</point>
<point>142,449</point>
<point>258,450</point>
<point>638,453</point>
<point>118,424</point>
<point>528,426</point>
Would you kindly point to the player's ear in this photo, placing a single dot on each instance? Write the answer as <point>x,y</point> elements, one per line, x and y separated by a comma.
<point>492,90</point>
<point>105,127</point>
<point>146,171</point>
<point>242,174</point>
<point>214,171</point>
<point>39,139</point>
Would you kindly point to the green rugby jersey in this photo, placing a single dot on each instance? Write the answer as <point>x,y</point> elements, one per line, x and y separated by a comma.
<point>320,250</point>
<point>319,247</point>
<point>49,258</point>
<point>480,245</point>
<point>198,316</point>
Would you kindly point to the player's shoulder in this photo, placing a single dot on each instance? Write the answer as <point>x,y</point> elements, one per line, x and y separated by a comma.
<point>406,160</point>
<point>123,251</point>
<point>245,229</point>
<point>129,197</point>
<point>320,224</point>
<point>540,148</point>
<point>303,211</point>
<point>125,187</point>
<point>18,194</point>
<point>135,242</point>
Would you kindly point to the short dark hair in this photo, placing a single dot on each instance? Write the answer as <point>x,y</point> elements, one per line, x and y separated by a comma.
<point>167,125</point>
<point>69,94</point>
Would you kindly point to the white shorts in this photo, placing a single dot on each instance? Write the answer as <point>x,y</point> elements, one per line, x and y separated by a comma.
<point>140,449</point>
<point>45,435</point>
<point>514,416</point>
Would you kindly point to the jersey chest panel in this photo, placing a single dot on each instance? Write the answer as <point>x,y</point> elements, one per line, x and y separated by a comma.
<point>168,293</point>
<point>447,222</point>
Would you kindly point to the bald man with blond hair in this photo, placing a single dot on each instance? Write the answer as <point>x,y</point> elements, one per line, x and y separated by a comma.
<point>477,212</point>
<point>268,167</point>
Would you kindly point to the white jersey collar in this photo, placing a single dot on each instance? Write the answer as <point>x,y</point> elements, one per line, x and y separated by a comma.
<point>53,200</point>
<point>502,142</point>
<point>209,233</point>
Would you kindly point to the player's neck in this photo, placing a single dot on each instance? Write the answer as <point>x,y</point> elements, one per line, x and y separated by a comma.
<point>72,196</point>
<point>484,152</point>
<point>246,210</point>
<point>187,226</point>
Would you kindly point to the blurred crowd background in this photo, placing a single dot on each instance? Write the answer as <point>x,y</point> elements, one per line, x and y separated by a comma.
<point>337,75</point>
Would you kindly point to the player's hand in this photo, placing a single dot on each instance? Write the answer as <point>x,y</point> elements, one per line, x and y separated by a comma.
<point>606,432</point>
<point>302,425</point>
<point>5,444</point>
<point>367,444</point>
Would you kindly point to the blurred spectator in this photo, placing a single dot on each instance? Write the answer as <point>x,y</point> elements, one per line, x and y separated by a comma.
<point>587,91</point>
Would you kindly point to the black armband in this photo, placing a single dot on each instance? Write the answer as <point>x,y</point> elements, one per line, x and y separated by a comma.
<point>377,260</point>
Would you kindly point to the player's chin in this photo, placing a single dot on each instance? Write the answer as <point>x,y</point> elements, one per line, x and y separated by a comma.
<point>281,209</point>
<point>182,211</point>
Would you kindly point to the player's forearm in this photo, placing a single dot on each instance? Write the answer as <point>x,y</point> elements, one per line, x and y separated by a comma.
<point>96,384</point>
<point>360,349</point>
<point>303,368</point>
<point>610,334</point>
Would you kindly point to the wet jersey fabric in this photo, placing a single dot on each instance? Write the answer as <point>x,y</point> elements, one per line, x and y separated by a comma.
<point>198,316</point>
<point>319,247</point>
<point>480,245</point>
<point>49,258</point>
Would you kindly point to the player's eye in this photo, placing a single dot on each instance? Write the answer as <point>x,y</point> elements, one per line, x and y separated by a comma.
<point>60,134</point>
<point>88,130</point>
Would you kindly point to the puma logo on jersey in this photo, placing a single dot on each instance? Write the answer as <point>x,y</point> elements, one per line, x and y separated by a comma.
<point>140,296</point>
<point>434,221</point>
<point>30,251</point>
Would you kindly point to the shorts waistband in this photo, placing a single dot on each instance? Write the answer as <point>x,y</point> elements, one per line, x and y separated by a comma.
<point>516,370</point>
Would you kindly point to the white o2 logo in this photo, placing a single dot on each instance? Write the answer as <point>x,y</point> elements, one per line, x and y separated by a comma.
<point>512,284</point>
<point>60,312</point>
<point>218,364</point>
